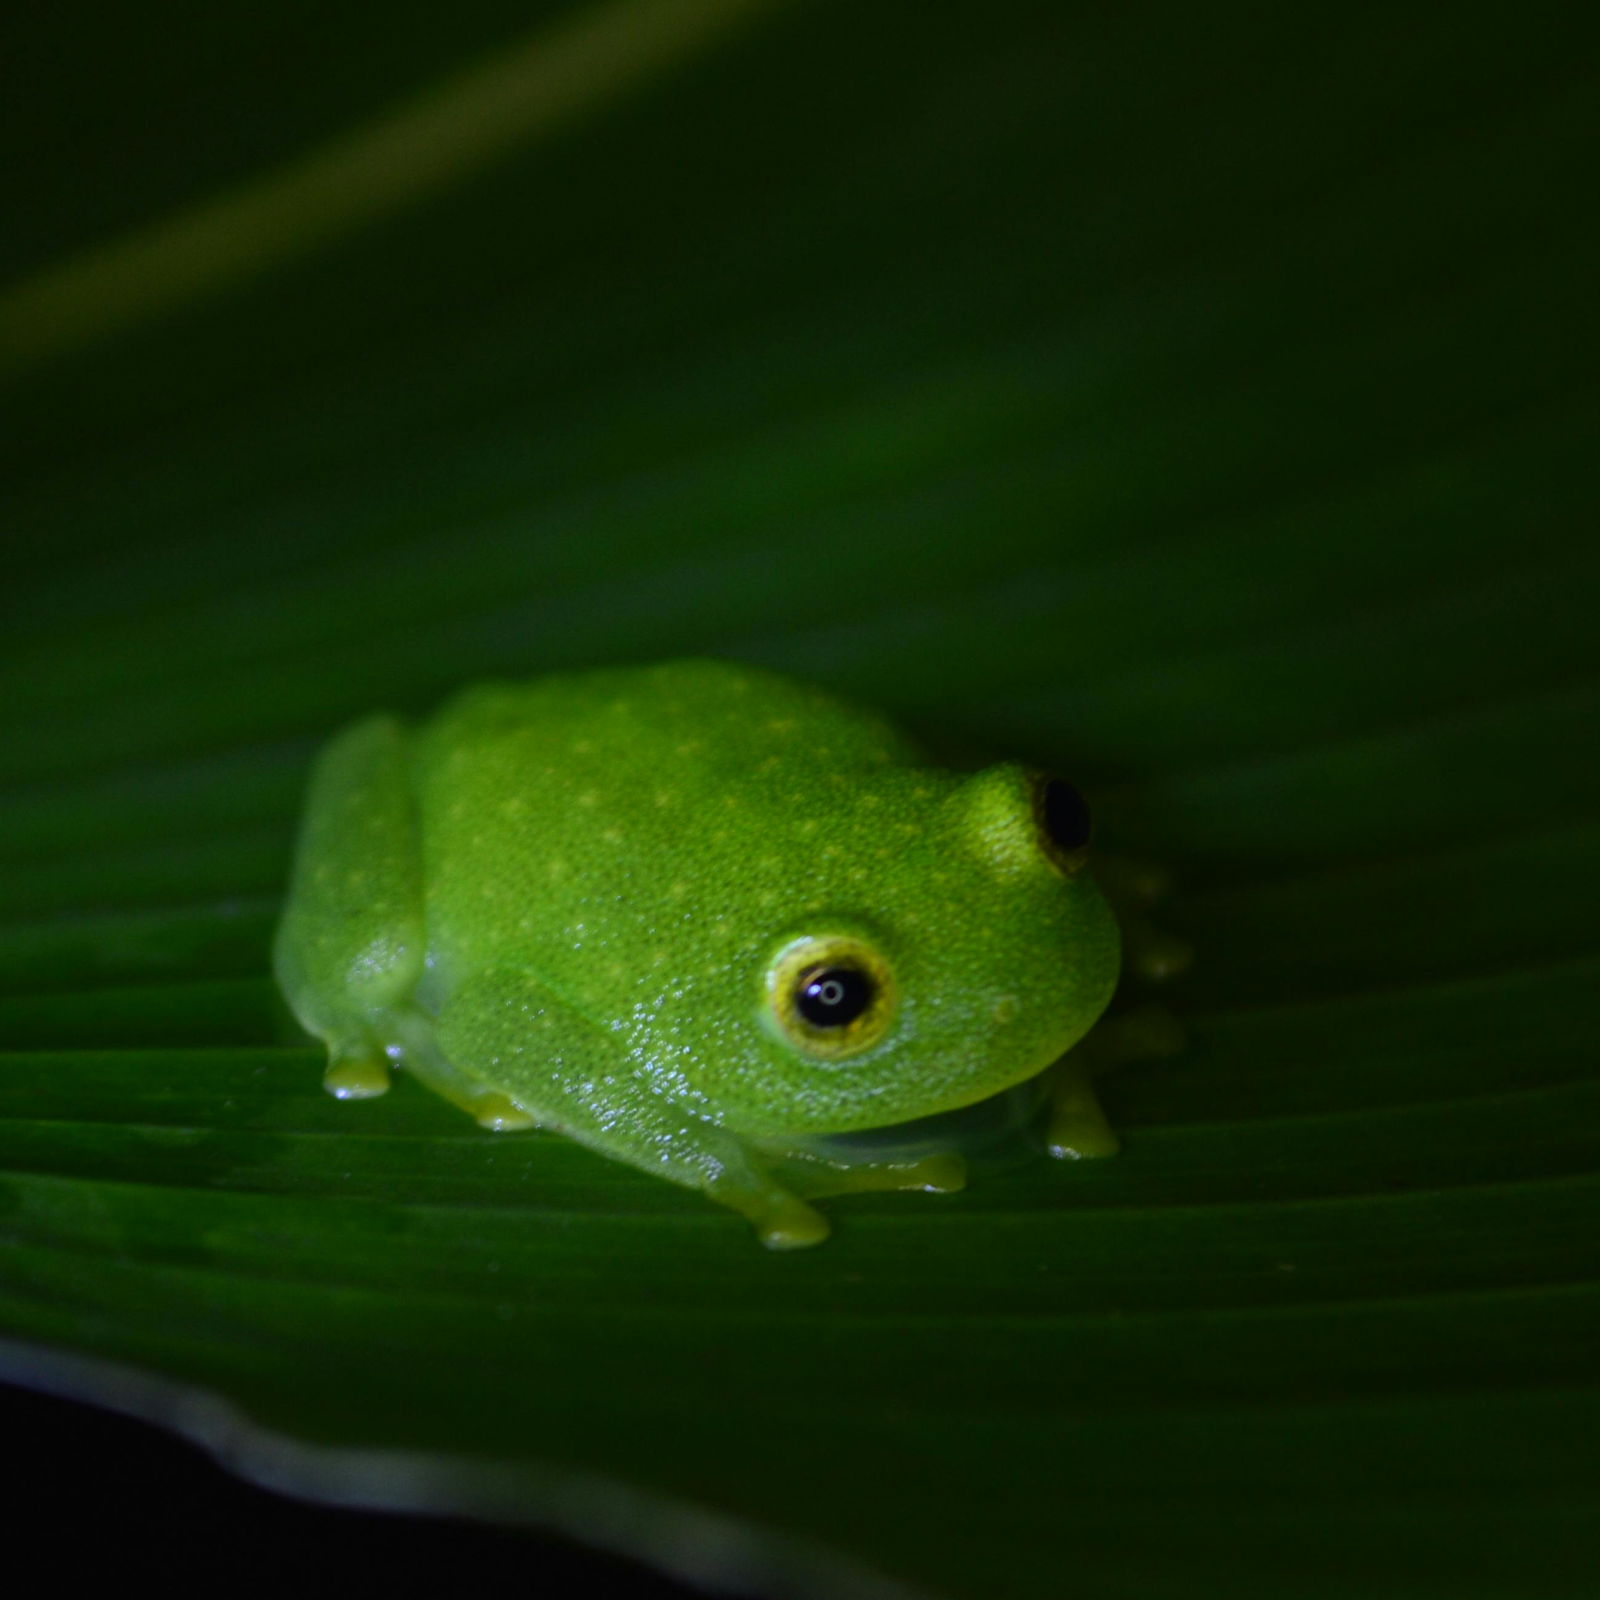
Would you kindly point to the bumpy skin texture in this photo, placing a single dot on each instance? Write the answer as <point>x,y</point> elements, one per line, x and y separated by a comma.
<point>589,904</point>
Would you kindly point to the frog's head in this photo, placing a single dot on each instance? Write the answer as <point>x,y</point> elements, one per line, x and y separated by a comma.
<point>959,947</point>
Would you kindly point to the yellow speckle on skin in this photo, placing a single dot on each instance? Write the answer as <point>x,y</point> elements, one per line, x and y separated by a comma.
<point>780,724</point>
<point>1005,1008</point>
<point>556,867</point>
<point>611,835</point>
<point>664,797</point>
<point>807,825</point>
<point>587,798</point>
<point>687,748</point>
<point>678,890</point>
<point>658,958</point>
<point>514,807</point>
<point>922,792</point>
<point>771,764</point>
<point>583,747</point>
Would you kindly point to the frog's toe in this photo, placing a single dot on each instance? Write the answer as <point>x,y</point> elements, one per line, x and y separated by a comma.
<point>356,1074</point>
<point>1162,956</point>
<point>942,1173</point>
<point>818,1179</point>
<point>791,1226</point>
<point>1078,1130</point>
<point>499,1113</point>
<point>1147,882</point>
<point>1081,1138</point>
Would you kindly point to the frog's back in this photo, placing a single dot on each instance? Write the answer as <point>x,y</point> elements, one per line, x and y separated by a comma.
<point>602,807</point>
<point>723,714</point>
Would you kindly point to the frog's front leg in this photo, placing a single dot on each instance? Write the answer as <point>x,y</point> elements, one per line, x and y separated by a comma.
<point>818,1171</point>
<point>507,1032</point>
<point>351,946</point>
<point>1077,1128</point>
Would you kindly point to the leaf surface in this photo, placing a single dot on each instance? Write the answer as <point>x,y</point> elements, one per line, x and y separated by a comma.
<point>1198,402</point>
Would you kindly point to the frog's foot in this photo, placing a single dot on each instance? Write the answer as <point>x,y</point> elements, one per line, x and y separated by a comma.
<point>489,1108</point>
<point>1078,1130</point>
<point>818,1178</point>
<point>499,1113</point>
<point>358,1072</point>
<point>1132,885</point>
<point>1128,880</point>
<point>416,1049</point>
<point>822,1170</point>
<point>783,1221</point>
<point>1150,953</point>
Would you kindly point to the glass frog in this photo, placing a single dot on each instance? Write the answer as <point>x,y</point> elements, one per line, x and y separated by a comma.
<point>700,918</point>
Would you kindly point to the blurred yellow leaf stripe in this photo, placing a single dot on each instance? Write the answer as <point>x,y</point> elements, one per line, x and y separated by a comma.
<point>556,75</point>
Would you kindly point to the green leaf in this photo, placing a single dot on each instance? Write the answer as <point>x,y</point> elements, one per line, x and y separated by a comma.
<point>1198,401</point>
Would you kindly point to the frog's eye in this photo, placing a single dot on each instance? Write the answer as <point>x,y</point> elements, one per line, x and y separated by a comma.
<point>1064,822</point>
<point>832,997</point>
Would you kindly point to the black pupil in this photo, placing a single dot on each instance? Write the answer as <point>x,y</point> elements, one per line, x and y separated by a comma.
<point>1066,816</point>
<point>832,996</point>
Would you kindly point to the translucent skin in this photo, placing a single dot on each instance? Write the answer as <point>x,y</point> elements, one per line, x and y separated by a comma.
<point>566,904</point>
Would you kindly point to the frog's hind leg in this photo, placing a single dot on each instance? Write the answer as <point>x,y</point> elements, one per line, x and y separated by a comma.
<point>351,944</point>
<point>416,1048</point>
<point>568,1074</point>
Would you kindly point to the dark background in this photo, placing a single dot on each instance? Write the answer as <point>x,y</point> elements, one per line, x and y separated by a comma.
<point>98,1498</point>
